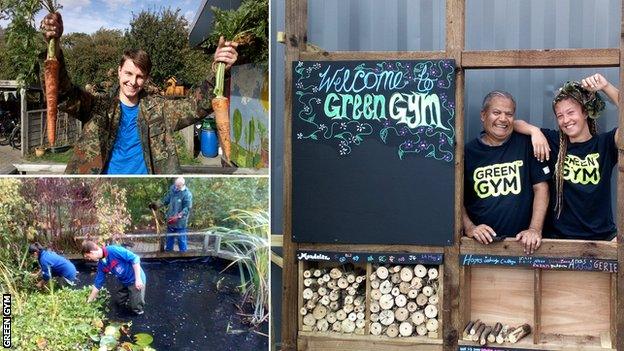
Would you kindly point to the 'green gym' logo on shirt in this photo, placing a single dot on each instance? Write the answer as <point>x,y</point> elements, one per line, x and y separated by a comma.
<point>582,171</point>
<point>498,179</point>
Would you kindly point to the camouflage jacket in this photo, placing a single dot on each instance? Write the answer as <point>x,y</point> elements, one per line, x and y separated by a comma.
<point>158,119</point>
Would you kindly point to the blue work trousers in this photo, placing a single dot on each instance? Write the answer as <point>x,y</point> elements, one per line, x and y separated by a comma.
<point>171,239</point>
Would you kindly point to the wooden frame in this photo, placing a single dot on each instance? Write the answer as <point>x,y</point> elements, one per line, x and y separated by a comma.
<point>455,276</point>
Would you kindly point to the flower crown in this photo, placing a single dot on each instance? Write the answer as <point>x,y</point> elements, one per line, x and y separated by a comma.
<point>590,100</point>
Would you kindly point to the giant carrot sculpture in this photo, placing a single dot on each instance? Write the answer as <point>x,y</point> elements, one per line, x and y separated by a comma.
<point>51,74</point>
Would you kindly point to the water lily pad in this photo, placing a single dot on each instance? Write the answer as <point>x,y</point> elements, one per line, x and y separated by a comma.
<point>108,341</point>
<point>143,339</point>
<point>112,331</point>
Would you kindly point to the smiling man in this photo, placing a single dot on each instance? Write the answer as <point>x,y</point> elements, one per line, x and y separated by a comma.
<point>129,132</point>
<point>505,187</point>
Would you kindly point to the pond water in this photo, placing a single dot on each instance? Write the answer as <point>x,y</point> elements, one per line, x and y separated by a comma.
<point>190,305</point>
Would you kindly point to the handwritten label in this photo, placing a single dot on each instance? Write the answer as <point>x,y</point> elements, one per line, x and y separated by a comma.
<point>477,348</point>
<point>362,257</point>
<point>407,104</point>
<point>557,263</point>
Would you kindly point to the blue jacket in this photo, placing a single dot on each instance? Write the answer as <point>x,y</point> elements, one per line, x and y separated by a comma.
<point>56,265</point>
<point>117,261</point>
<point>179,201</point>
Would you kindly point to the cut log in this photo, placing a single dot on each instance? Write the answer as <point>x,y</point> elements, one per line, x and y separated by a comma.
<point>319,312</point>
<point>317,273</point>
<point>374,317</point>
<point>420,271</point>
<point>348,326</point>
<point>466,333</point>
<point>307,274</point>
<point>325,300</point>
<point>421,329</point>
<point>375,328</point>
<point>352,316</point>
<point>375,284</point>
<point>427,291</point>
<point>348,308</point>
<point>335,273</point>
<point>386,317</point>
<point>332,284</point>
<point>343,283</point>
<point>385,287</point>
<point>395,291</point>
<point>376,294</point>
<point>348,300</point>
<point>307,282</point>
<point>334,305</point>
<point>309,320</point>
<point>341,315</point>
<point>322,291</point>
<point>404,287</point>
<point>334,295</point>
<point>360,323</point>
<point>432,273</point>
<point>360,315</point>
<point>418,318</point>
<point>395,278</point>
<point>401,314</point>
<point>407,274</point>
<point>374,307</point>
<point>412,293</point>
<point>331,318</point>
<point>412,306</point>
<point>382,272</point>
<point>326,278</point>
<point>477,334</point>
<point>400,300</point>
<point>303,311</point>
<point>406,329</point>
<point>495,331</point>
<point>350,278</point>
<point>484,335</point>
<point>434,299</point>
<point>322,325</point>
<point>500,338</point>
<point>417,283</point>
<point>392,330</point>
<point>431,311</point>
<point>475,327</point>
<point>386,301</point>
<point>337,327</point>
<point>519,333</point>
<point>421,299</point>
<point>307,293</point>
<point>432,324</point>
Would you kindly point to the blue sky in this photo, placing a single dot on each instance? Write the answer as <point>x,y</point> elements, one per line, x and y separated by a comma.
<point>87,16</point>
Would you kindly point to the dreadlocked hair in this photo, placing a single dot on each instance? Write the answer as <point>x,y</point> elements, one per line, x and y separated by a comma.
<point>591,104</point>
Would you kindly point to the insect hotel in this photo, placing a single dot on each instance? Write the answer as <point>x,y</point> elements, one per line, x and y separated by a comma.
<point>374,257</point>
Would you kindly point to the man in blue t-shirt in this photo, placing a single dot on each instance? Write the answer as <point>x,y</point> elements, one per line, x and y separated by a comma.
<point>127,155</point>
<point>499,168</point>
<point>124,265</point>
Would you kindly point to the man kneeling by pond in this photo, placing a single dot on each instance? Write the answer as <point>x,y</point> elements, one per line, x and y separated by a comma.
<point>125,265</point>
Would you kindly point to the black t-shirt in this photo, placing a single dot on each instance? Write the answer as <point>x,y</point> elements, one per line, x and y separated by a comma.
<point>586,211</point>
<point>498,183</point>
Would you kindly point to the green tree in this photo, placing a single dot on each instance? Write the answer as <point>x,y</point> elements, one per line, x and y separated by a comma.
<point>23,41</point>
<point>6,70</point>
<point>90,58</point>
<point>164,36</point>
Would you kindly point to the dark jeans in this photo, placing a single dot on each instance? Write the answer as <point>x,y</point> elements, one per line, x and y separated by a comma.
<point>132,298</point>
<point>171,239</point>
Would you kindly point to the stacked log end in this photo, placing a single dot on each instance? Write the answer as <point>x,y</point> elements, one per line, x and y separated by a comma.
<point>404,301</point>
<point>483,334</point>
<point>334,300</point>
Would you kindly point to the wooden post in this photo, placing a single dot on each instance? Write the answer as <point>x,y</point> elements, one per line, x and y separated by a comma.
<point>296,29</point>
<point>24,121</point>
<point>620,201</point>
<point>455,39</point>
<point>537,305</point>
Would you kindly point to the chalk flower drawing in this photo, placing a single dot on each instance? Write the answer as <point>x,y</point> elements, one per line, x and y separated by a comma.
<point>412,80</point>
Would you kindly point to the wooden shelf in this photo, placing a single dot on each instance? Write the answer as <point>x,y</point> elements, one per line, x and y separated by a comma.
<point>344,342</point>
<point>551,344</point>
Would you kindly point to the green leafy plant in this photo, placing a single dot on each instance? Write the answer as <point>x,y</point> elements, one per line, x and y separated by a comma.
<point>252,248</point>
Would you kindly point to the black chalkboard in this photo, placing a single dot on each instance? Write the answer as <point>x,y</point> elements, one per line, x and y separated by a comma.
<point>373,152</point>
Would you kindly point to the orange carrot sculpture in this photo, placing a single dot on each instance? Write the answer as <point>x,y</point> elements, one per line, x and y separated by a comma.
<point>51,74</point>
<point>220,106</point>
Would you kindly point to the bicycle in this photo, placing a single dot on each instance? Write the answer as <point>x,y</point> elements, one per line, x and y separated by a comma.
<point>8,123</point>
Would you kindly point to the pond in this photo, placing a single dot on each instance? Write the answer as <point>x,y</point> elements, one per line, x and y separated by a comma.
<point>190,305</point>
